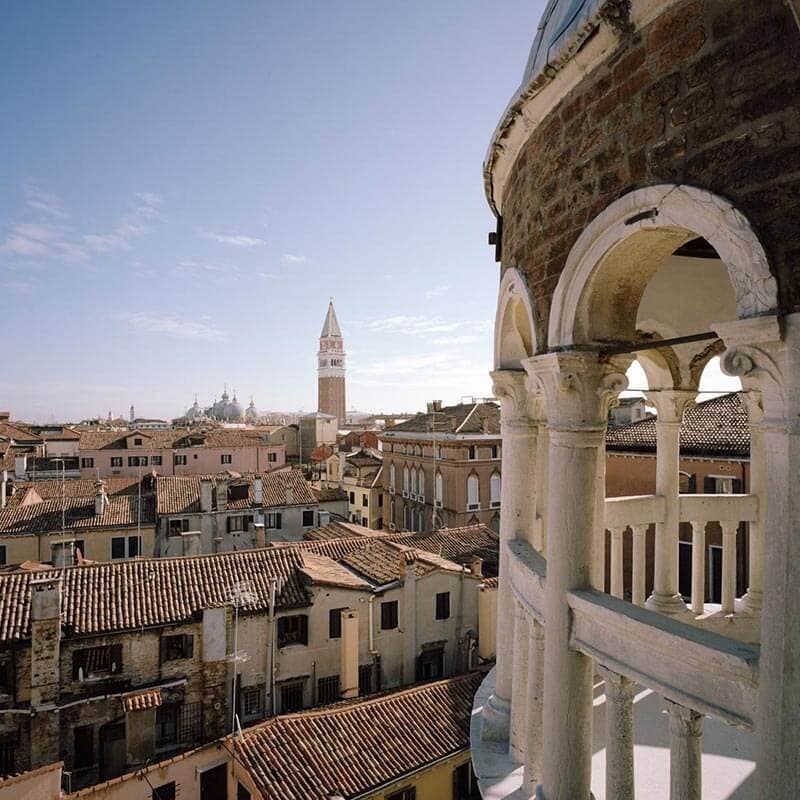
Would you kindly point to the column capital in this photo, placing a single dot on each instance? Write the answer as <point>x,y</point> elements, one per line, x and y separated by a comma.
<point>670,404</point>
<point>519,406</point>
<point>578,387</point>
<point>683,721</point>
<point>617,687</point>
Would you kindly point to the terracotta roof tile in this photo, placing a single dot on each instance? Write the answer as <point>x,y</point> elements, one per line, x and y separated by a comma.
<point>716,427</point>
<point>466,418</point>
<point>311,755</point>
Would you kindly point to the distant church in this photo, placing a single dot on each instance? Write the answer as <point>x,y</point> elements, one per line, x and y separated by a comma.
<point>330,369</point>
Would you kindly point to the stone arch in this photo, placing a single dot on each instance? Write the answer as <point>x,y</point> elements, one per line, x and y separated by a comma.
<point>598,286</point>
<point>514,329</point>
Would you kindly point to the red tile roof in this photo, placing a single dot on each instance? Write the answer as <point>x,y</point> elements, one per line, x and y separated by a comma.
<point>353,747</point>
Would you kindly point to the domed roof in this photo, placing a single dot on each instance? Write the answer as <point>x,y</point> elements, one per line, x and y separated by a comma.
<point>234,410</point>
<point>195,410</point>
<point>563,26</point>
<point>252,411</point>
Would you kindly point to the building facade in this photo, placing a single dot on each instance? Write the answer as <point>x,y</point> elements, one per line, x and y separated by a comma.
<point>443,469</point>
<point>360,475</point>
<point>629,175</point>
<point>331,398</point>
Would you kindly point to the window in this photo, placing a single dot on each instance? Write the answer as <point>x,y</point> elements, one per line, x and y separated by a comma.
<point>8,751</point>
<point>405,481</point>
<point>87,462</point>
<point>389,615</point>
<point>116,461</point>
<point>178,724</point>
<point>495,451</point>
<point>3,554</point>
<point>473,452</point>
<point>293,630</point>
<point>137,442</point>
<point>443,605</point>
<point>308,518</point>
<point>473,494</point>
<point>96,661</point>
<point>226,458</point>
<point>380,500</point>
<point>405,518</point>
<point>7,682</point>
<point>137,461</point>
<point>179,461</point>
<point>174,648</point>
<point>365,679</point>
<point>241,792</point>
<point>292,697</point>
<point>404,794</point>
<point>239,523</point>
<point>365,501</point>
<point>391,478</point>
<point>335,623</point>
<point>328,690</point>
<point>83,743</point>
<point>178,526</point>
<point>273,520</point>
<point>439,490</point>
<point>353,497</point>
<point>125,547</point>
<point>414,483</point>
<point>164,792</point>
<point>155,461</point>
<point>251,700</point>
<point>272,457</point>
<point>494,490</point>
<point>465,784</point>
<point>722,484</point>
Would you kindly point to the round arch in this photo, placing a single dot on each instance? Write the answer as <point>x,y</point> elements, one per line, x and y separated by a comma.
<point>514,329</point>
<point>652,223</point>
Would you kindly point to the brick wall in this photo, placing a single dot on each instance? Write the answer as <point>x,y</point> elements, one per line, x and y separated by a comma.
<point>708,94</point>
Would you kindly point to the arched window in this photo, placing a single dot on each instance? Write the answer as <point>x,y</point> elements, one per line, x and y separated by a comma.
<point>439,490</point>
<point>413,482</point>
<point>405,518</point>
<point>421,486</point>
<point>391,479</point>
<point>473,493</point>
<point>494,490</point>
<point>392,518</point>
<point>405,481</point>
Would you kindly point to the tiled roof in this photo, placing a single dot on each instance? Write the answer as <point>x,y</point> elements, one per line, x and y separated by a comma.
<point>490,583</point>
<point>18,432</point>
<point>79,514</point>
<point>464,419</point>
<point>127,595</point>
<point>339,530</point>
<point>329,494</point>
<point>181,494</point>
<point>327,572</point>
<point>117,440</point>
<point>379,561</point>
<point>717,427</point>
<point>77,487</point>
<point>313,755</point>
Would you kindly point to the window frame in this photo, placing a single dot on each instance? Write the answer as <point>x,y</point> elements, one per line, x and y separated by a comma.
<point>390,615</point>
<point>442,606</point>
<point>292,630</point>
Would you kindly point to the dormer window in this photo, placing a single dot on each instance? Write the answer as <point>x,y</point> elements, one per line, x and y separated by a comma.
<point>137,442</point>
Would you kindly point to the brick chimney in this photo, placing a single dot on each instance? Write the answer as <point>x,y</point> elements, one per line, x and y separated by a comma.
<point>258,491</point>
<point>348,642</point>
<point>288,494</point>
<point>100,498</point>
<point>206,495</point>
<point>44,677</point>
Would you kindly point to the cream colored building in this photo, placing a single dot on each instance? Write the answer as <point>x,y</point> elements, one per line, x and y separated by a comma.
<point>360,475</point>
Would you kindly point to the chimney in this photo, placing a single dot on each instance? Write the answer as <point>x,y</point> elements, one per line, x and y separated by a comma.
<point>476,566</point>
<point>100,498</point>
<point>192,543</point>
<point>486,424</point>
<point>222,494</point>
<point>342,462</point>
<point>3,488</point>
<point>260,534</point>
<point>434,405</point>
<point>452,423</point>
<point>348,668</point>
<point>258,491</point>
<point>205,494</point>
<point>288,494</point>
<point>20,467</point>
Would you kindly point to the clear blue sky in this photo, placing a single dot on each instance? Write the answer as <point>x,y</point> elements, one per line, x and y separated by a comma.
<point>183,185</point>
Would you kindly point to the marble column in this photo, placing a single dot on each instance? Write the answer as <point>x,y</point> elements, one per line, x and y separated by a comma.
<point>619,692</point>
<point>519,430</point>
<point>535,746</point>
<point>729,531</point>
<point>752,600</point>
<point>765,353</point>
<point>698,567</point>
<point>639,564</point>
<point>670,405</point>
<point>578,389</point>
<point>685,749</point>
<point>518,735</point>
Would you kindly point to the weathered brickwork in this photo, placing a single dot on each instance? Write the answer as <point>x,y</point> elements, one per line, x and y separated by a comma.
<point>705,95</point>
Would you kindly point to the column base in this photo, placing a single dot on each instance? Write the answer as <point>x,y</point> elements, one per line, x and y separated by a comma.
<point>753,601</point>
<point>666,604</point>
<point>496,720</point>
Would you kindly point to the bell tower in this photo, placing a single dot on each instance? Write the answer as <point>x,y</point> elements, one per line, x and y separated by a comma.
<point>330,368</point>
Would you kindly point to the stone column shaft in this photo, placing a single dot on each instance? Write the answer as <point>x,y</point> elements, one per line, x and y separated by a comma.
<point>685,749</point>
<point>518,736</point>
<point>758,473</point>
<point>729,530</point>
<point>698,567</point>
<point>639,564</point>
<point>535,745</point>
<point>619,736</point>
<point>617,563</point>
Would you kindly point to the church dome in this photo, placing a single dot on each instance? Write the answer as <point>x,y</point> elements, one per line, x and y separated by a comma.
<point>252,412</point>
<point>234,410</point>
<point>194,412</point>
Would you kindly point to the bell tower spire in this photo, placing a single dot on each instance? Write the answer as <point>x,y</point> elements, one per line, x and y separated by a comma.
<point>330,368</point>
